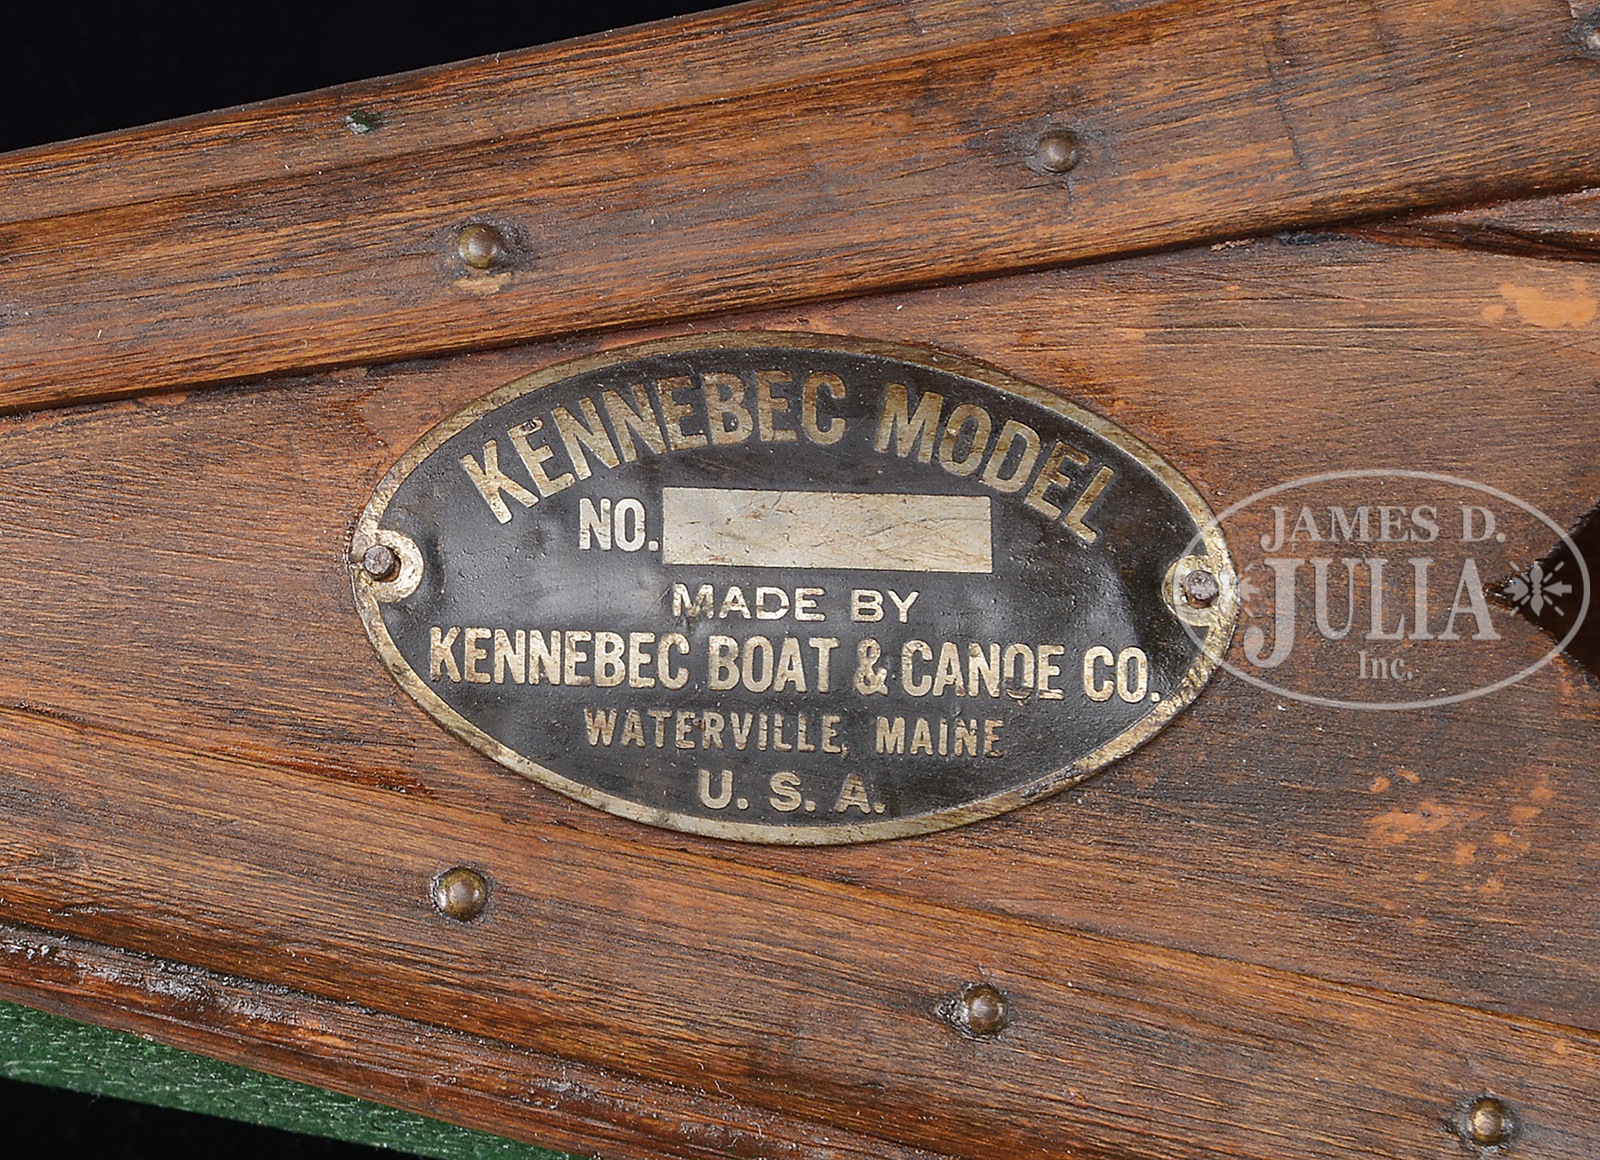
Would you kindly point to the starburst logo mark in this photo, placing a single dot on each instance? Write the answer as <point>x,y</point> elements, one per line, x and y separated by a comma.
<point>1537,590</point>
<point>1394,589</point>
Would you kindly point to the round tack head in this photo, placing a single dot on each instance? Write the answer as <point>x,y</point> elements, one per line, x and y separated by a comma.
<point>481,246</point>
<point>1489,1122</point>
<point>1057,151</point>
<point>461,893</point>
<point>978,1011</point>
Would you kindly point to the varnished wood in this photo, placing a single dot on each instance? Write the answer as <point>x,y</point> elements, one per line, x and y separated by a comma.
<point>1276,932</point>
<point>801,996</point>
<point>497,100</point>
<point>1549,227</point>
<point>1231,943</point>
<point>1201,120</point>
<point>472,1080</point>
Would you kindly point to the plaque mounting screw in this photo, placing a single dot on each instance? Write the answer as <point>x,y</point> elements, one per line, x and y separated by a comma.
<point>461,893</point>
<point>481,246</point>
<point>1057,151</point>
<point>1488,1122</point>
<point>1200,588</point>
<point>380,562</point>
<point>980,1011</point>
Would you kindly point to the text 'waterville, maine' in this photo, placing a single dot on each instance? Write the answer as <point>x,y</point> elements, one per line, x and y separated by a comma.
<point>788,590</point>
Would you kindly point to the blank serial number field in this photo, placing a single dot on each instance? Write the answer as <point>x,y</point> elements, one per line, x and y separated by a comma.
<point>826,529</point>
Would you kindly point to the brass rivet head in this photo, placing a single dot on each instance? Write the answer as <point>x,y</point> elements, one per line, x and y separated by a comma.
<point>480,246</point>
<point>1200,588</point>
<point>380,562</point>
<point>980,1011</point>
<point>1488,1122</point>
<point>461,893</point>
<point>1057,151</point>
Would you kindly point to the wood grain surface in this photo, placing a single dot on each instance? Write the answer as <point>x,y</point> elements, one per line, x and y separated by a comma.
<point>465,1079</point>
<point>1278,931</point>
<point>1198,120</point>
<point>1226,945</point>
<point>1547,227</point>
<point>711,56</point>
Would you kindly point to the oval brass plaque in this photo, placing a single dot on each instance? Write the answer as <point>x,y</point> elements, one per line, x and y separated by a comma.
<point>791,588</point>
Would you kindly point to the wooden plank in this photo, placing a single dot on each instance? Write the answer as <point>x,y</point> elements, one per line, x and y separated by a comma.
<point>484,102</point>
<point>799,996</point>
<point>494,1086</point>
<point>1211,357</point>
<point>1219,947</point>
<point>1198,120</point>
<point>1566,227</point>
<point>92,1062</point>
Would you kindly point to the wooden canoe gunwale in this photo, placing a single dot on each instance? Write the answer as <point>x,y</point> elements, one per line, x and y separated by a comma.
<point>1301,238</point>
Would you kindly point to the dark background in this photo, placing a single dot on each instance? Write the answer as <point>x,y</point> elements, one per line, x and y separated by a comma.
<point>70,69</point>
<point>74,69</point>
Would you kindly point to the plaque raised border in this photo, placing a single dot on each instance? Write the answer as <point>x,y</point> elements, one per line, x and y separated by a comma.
<point>901,487</point>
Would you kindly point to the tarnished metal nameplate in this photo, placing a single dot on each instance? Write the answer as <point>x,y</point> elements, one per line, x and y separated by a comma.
<point>792,588</point>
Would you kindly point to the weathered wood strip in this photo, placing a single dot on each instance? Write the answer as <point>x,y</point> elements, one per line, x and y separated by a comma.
<point>242,500</point>
<point>1565,227</point>
<point>793,994</point>
<point>1198,120</point>
<point>483,1083</point>
<point>484,102</point>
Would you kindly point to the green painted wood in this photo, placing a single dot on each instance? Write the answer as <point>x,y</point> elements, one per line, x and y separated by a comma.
<point>37,1047</point>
